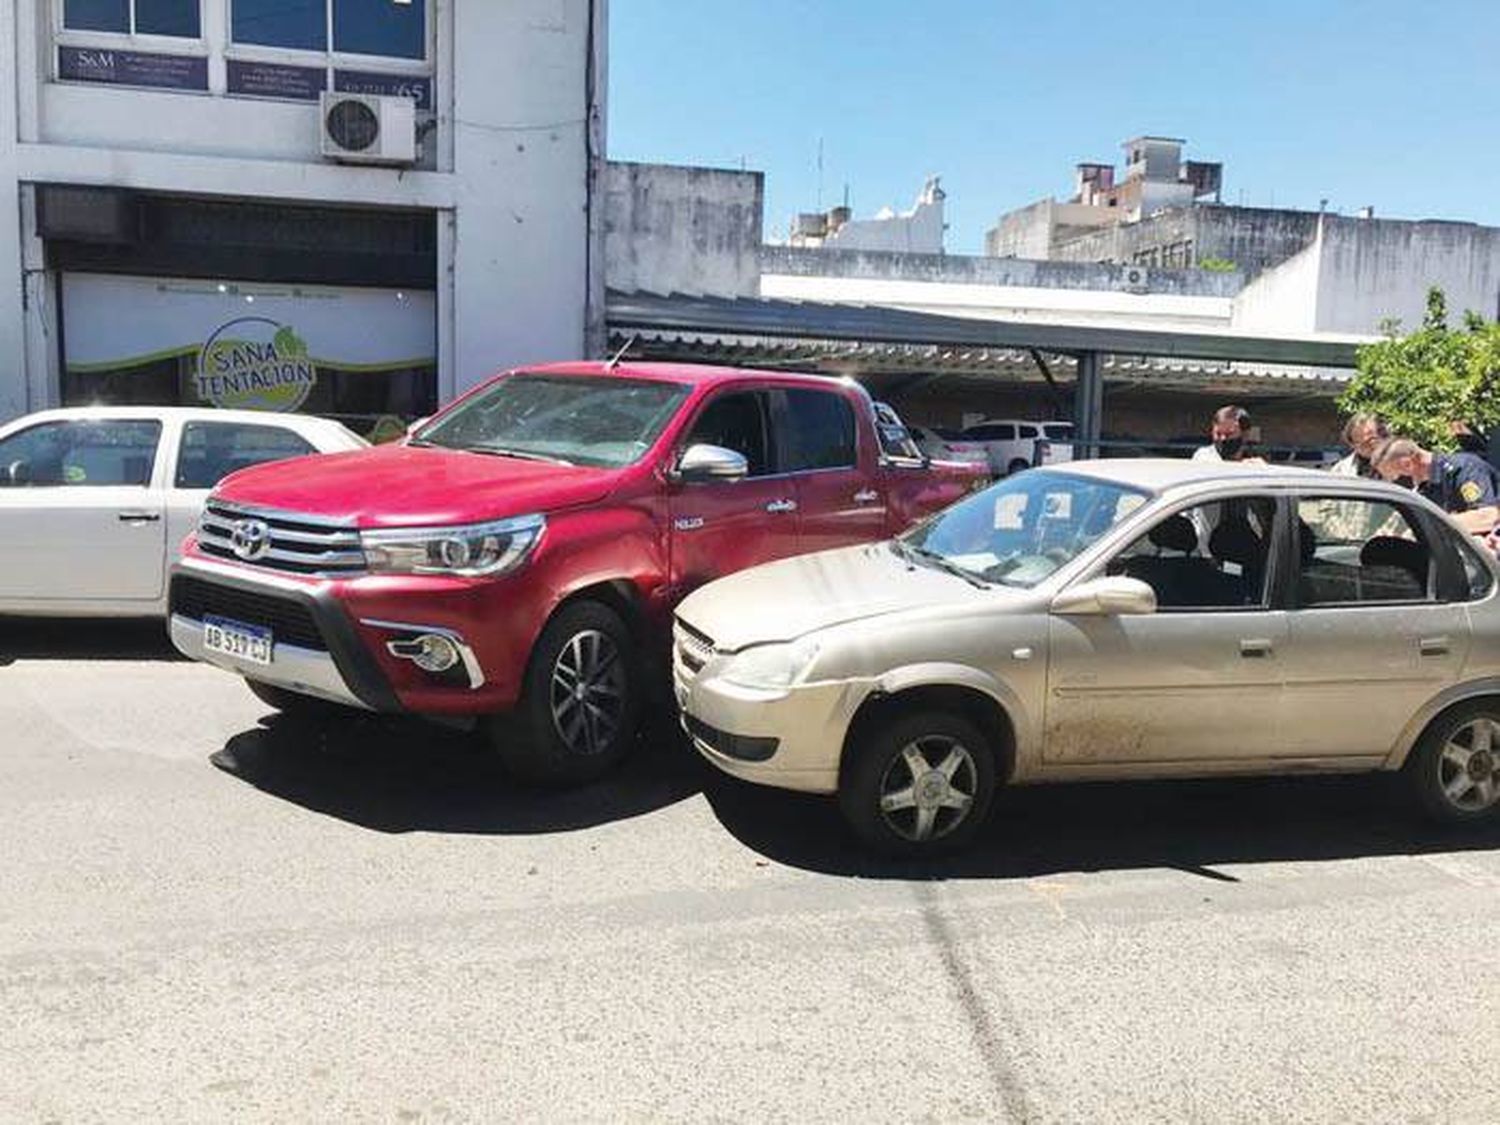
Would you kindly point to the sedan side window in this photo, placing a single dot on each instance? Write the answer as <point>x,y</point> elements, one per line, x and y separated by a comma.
<point>81,453</point>
<point>212,450</point>
<point>1357,552</point>
<point>737,422</point>
<point>1213,556</point>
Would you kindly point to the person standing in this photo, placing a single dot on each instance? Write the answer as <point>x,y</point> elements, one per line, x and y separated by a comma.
<point>1462,484</point>
<point>1229,436</point>
<point>1363,434</point>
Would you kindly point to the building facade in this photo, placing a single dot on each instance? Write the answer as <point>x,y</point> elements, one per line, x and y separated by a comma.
<point>194,210</point>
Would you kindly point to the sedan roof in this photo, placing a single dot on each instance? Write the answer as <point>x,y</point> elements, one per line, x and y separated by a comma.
<point>1165,474</point>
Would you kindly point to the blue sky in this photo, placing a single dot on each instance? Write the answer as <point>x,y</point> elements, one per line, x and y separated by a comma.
<point>1395,105</point>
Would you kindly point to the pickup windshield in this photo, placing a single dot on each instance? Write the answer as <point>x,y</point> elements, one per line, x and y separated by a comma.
<point>1022,529</point>
<point>574,419</point>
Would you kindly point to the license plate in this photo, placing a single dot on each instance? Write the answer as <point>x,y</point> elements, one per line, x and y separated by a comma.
<point>235,638</point>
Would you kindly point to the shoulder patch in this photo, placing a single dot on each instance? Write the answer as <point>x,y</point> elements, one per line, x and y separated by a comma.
<point>1470,491</point>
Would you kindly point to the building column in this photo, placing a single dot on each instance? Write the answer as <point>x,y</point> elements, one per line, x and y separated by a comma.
<point>1088,406</point>
<point>13,398</point>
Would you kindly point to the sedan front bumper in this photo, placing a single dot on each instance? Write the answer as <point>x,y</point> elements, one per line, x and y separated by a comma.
<point>792,739</point>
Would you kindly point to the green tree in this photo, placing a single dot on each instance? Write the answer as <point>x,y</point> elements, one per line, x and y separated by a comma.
<point>1217,265</point>
<point>1423,382</point>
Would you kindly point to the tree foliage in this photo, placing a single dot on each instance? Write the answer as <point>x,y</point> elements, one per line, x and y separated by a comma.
<point>1428,380</point>
<point>1217,265</point>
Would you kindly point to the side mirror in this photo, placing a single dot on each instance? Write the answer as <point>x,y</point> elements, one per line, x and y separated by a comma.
<point>1111,596</point>
<point>703,463</point>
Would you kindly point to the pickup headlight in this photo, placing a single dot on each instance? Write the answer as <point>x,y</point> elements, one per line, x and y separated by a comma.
<point>771,667</point>
<point>468,551</point>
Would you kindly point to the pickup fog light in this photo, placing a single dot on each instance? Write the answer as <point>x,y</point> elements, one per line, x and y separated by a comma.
<point>469,551</point>
<point>772,667</point>
<point>429,652</point>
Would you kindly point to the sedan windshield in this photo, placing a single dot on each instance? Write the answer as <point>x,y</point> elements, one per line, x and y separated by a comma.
<point>570,419</point>
<point>1022,529</point>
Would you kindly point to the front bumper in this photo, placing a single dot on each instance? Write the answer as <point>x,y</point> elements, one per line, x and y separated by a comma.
<point>792,739</point>
<point>316,651</point>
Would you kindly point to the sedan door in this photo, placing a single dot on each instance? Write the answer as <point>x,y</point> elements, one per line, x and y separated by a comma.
<point>81,514</point>
<point>1197,682</point>
<point>1374,635</point>
<point>207,452</point>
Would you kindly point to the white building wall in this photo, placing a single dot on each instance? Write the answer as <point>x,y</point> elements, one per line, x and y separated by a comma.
<point>13,391</point>
<point>507,171</point>
<point>918,231</point>
<point>1283,298</point>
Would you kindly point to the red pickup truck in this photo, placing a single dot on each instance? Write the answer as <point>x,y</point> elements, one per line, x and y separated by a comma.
<point>516,559</point>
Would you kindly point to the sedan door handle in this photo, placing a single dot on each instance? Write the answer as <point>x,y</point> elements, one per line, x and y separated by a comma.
<point>1433,646</point>
<point>139,517</point>
<point>782,506</point>
<point>1255,647</point>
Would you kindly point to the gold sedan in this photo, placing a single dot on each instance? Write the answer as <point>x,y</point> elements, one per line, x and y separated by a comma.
<point>1107,619</point>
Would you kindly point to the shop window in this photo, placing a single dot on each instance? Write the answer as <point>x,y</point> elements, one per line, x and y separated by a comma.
<point>387,28</point>
<point>179,18</point>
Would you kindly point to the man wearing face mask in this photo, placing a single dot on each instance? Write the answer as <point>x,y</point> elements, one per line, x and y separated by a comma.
<point>1363,434</point>
<point>1229,433</point>
<point>1462,484</point>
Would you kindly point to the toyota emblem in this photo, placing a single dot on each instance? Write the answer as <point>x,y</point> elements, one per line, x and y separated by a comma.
<point>250,539</point>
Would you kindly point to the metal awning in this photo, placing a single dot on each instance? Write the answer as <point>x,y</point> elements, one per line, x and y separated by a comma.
<point>766,318</point>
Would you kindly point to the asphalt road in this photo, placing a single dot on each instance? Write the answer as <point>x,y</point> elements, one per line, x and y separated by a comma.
<point>210,913</point>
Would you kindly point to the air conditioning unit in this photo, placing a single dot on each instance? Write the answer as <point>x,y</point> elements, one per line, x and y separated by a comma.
<point>1134,278</point>
<point>368,128</point>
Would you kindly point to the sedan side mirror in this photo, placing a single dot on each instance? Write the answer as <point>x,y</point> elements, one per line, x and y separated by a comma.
<point>1111,596</point>
<point>703,463</point>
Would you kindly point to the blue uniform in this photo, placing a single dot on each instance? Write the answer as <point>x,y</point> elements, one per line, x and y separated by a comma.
<point>1461,482</point>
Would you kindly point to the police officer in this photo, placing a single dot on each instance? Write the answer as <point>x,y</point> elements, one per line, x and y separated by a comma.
<point>1462,484</point>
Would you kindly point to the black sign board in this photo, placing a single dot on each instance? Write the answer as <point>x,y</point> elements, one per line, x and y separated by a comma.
<point>132,68</point>
<point>416,87</point>
<point>271,80</point>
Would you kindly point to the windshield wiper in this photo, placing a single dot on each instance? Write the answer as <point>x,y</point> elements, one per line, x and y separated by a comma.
<point>938,562</point>
<point>519,454</point>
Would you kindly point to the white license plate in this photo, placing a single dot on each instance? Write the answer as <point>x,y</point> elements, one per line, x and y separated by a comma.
<point>235,638</point>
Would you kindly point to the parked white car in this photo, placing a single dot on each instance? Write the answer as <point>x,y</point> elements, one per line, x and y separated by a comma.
<point>95,500</point>
<point>948,445</point>
<point>1015,444</point>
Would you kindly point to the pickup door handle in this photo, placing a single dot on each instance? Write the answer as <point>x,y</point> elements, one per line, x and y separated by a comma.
<point>866,496</point>
<point>1253,648</point>
<point>139,517</point>
<point>782,506</point>
<point>1433,646</point>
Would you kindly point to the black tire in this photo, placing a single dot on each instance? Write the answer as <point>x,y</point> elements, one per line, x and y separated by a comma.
<point>877,767</point>
<point>1017,466</point>
<point>295,703</point>
<point>1453,772</point>
<point>557,737</point>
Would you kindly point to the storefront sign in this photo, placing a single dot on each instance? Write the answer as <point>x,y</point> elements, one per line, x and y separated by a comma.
<point>392,85</point>
<point>132,68</point>
<point>244,345</point>
<point>254,363</point>
<point>271,80</point>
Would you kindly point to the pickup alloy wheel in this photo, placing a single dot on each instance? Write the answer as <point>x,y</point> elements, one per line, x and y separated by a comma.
<point>578,713</point>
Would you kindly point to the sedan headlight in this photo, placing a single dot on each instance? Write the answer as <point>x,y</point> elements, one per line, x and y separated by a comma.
<point>469,551</point>
<point>771,667</point>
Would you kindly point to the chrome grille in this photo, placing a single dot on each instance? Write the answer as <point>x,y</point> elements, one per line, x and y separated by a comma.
<point>285,541</point>
<point>693,648</point>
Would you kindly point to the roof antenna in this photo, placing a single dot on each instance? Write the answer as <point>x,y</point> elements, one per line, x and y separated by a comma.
<point>609,364</point>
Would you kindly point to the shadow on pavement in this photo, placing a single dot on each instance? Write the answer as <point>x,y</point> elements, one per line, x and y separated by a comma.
<point>1193,826</point>
<point>63,638</point>
<point>405,775</point>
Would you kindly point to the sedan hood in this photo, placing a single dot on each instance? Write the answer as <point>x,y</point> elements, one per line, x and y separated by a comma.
<point>785,600</point>
<point>415,486</point>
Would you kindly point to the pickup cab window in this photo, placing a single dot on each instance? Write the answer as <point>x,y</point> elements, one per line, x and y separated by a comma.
<point>603,421</point>
<point>819,431</point>
<point>735,421</point>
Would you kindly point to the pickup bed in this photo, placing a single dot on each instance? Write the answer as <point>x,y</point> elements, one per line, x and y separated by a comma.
<point>515,561</point>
